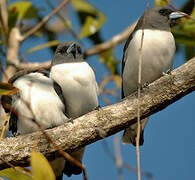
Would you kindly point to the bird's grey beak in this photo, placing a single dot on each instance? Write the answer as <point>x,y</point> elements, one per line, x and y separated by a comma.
<point>71,48</point>
<point>175,15</point>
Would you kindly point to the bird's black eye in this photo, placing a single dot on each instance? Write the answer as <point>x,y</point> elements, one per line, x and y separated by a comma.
<point>163,12</point>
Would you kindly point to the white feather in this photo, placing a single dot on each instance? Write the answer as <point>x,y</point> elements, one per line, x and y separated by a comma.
<point>157,57</point>
<point>158,51</point>
<point>79,87</point>
<point>46,107</point>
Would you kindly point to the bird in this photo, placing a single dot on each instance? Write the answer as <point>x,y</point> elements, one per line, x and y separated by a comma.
<point>79,88</point>
<point>36,100</point>
<point>157,56</point>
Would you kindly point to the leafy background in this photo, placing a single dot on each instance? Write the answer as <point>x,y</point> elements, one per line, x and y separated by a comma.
<point>168,151</point>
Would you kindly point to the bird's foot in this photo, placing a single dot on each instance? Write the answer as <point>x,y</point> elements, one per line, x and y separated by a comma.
<point>97,108</point>
<point>16,134</point>
<point>145,85</point>
<point>168,72</point>
<point>71,120</point>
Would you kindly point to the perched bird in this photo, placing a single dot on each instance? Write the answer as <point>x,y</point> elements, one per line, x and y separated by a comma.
<point>157,56</point>
<point>79,88</point>
<point>36,100</point>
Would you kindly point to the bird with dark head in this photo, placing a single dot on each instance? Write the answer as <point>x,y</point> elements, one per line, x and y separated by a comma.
<point>157,56</point>
<point>37,100</point>
<point>79,88</point>
<point>67,52</point>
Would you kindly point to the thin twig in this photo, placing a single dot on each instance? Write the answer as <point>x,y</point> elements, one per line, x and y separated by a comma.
<point>4,20</point>
<point>45,19</point>
<point>138,106</point>
<point>4,127</point>
<point>64,154</point>
<point>17,169</point>
<point>65,22</point>
<point>115,40</point>
<point>118,157</point>
<point>124,164</point>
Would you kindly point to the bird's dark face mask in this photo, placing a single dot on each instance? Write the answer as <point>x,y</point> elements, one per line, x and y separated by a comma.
<point>171,15</point>
<point>161,18</point>
<point>67,52</point>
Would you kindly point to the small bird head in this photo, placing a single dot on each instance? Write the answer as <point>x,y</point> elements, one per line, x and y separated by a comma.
<point>67,52</point>
<point>161,18</point>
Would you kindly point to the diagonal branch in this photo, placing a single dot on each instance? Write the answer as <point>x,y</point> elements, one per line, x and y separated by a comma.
<point>110,119</point>
<point>45,19</point>
<point>114,41</point>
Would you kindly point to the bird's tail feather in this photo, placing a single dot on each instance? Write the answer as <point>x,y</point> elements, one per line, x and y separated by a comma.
<point>71,168</point>
<point>130,134</point>
<point>58,166</point>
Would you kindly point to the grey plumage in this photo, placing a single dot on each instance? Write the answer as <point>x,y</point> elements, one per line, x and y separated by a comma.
<point>157,56</point>
<point>77,81</point>
<point>36,100</point>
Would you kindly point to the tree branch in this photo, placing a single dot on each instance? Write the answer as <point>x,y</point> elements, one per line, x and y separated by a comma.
<point>4,18</point>
<point>115,40</point>
<point>45,19</point>
<point>110,119</point>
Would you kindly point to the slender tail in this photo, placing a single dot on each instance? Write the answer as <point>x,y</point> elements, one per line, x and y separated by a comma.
<point>130,134</point>
<point>70,168</point>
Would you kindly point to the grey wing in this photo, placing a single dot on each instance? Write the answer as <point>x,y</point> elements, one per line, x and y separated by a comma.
<point>124,60</point>
<point>138,26</point>
<point>13,123</point>
<point>6,102</point>
<point>59,92</point>
<point>24,72</point>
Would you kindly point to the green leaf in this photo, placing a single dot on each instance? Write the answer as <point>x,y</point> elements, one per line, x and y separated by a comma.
<point>41,167</point>
<point>7,89</point>
<point>20,10</point>
<point>93,19</point>
<point>92,25</point>
<point>24,9</point>
<point>83,6</point>
<point>12,174</point>
<point>42,46</point>
<point>109,60</point>
<point>189,25</point>
<point>161,2</point>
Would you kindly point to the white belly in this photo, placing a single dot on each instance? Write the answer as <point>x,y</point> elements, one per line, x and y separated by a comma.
<point>157,57</point>
<point>79,87</point>
<point>46,107</point>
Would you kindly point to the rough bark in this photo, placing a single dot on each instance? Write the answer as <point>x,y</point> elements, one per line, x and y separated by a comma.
<point>105,121</point>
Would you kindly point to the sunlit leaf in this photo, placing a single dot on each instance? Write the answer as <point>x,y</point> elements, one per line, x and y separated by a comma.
<point>109,60</point>
<point>93,19</point>
<point>12,174</point>
<point>82,5</point>
<point>92,25</point>
<point>42,46</point>
<point>161,2</point>
<point>20,10</point>
<point>7,89</point>
<point>41,167</point>
<point>24,9</point>
<point>118,81</point>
